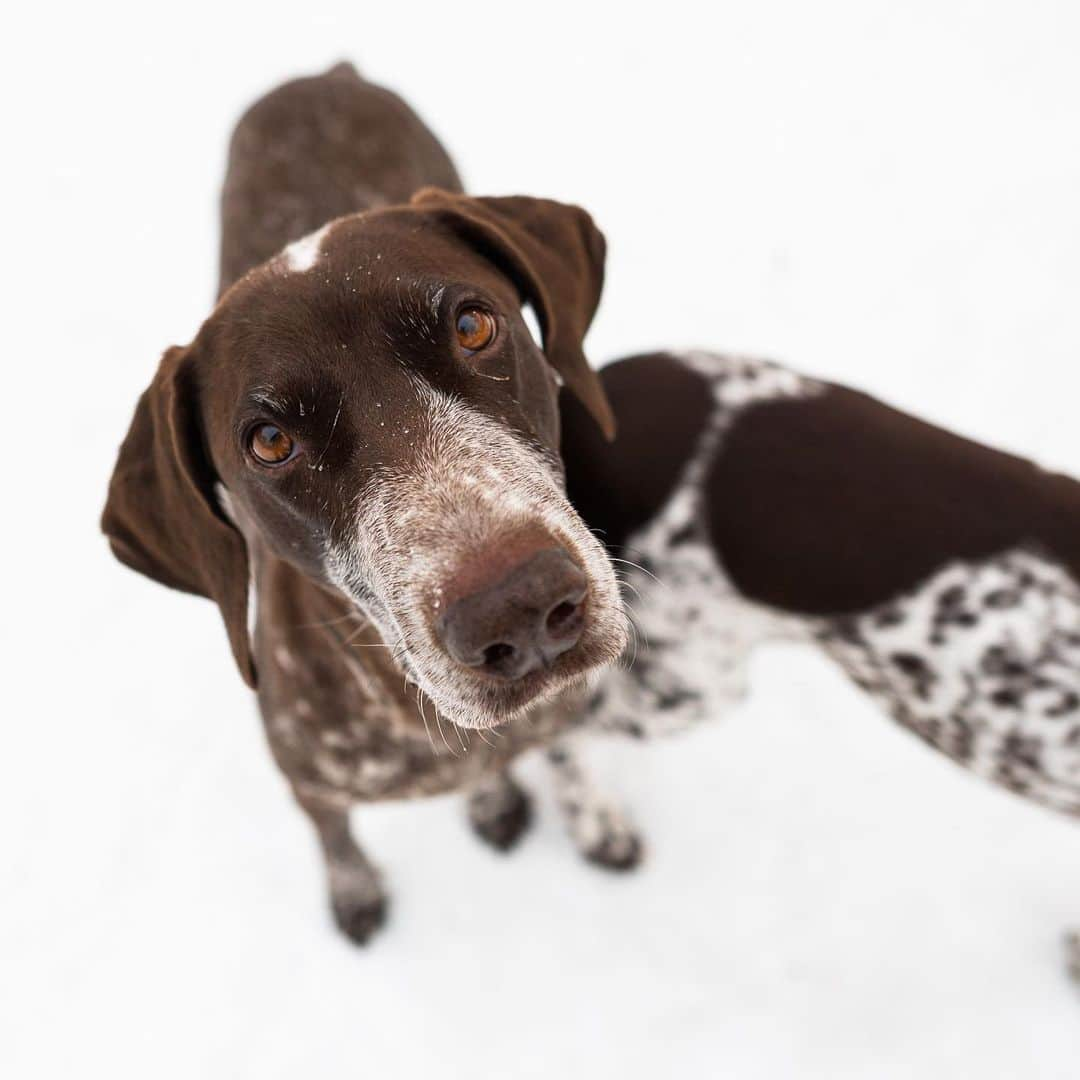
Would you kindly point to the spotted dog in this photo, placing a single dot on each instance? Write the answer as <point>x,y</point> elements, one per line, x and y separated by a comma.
<point>364,434</point>
<point>746,503</point>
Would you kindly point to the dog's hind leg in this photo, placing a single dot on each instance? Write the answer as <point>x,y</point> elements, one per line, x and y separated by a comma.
<point>601,831</point>
<point>357,899</point>
<point>499,810</point>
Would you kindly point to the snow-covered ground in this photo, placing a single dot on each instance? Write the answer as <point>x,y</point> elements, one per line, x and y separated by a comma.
<point>885,194</point>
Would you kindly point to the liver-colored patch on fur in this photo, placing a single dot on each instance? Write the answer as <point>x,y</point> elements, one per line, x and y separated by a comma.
<point>836,503</point>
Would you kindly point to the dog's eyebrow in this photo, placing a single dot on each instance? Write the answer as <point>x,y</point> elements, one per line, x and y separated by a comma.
<point>419,305</point>
<point>266,397</point>
<point>424,297</point>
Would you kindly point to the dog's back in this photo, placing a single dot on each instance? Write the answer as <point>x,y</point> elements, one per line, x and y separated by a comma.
<point>941,574</point>
<point>313,150</point>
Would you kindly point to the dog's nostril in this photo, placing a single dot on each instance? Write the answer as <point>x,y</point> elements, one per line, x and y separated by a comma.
<point>496,655</point>
<point>560,617</point>
<point>520,622</point>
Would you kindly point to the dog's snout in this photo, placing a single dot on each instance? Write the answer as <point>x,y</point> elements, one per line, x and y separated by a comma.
<point>522,621</point>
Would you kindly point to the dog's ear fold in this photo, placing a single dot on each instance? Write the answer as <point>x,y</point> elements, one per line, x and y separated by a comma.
<point>555,255</point>
<point>161,516</point>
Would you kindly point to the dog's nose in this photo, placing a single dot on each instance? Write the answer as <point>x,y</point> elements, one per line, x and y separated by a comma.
<point>522,621</point>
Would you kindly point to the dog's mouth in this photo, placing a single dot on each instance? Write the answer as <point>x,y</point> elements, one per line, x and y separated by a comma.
<point>495,706</point>
<point>491,705</point>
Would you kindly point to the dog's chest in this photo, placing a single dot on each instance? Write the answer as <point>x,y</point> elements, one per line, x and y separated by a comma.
<point>349,724</point>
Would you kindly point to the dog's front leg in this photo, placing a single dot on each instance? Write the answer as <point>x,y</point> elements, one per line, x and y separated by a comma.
<point>600,829</point>
<point>499,810</point>
<point>356,894</point>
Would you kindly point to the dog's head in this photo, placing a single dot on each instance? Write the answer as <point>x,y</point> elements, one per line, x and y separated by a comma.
<point>378,412</point>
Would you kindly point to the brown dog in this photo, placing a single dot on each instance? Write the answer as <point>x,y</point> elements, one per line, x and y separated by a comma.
<point>365,429</point>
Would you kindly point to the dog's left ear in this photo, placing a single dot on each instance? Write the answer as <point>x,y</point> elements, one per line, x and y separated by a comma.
<point>555,255</point>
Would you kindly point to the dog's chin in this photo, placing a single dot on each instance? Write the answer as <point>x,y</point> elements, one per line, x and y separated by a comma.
<point>497,709</point>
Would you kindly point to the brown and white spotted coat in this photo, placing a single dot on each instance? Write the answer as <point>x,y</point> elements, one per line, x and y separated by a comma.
<point>943,576</point>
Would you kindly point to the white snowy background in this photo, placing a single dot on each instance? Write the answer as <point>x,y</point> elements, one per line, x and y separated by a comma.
<point>885,194</point>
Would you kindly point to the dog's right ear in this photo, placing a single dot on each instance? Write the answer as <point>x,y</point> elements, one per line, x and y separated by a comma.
<point>162,518</point>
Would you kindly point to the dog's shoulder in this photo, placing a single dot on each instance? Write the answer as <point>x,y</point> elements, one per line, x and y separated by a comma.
<point>662,407</point>
<point>833,502</point>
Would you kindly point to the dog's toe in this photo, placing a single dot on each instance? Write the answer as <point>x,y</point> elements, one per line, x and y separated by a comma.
<point>358,920</point>
<point>503,825</point>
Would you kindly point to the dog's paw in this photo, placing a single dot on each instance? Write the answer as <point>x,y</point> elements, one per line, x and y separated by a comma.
<point>357,901</point>
<point>606,837</point>
<point>1072,954</point>
<point>358,920</point>
<point>619,848</point>
<point>504,829</point>
<point>500,813</point>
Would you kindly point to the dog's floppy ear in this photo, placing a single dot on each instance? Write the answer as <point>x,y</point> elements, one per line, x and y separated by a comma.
<point>161,516</point>
<point>555,255</point>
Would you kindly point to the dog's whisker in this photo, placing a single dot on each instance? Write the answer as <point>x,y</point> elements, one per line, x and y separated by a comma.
<point>438,720</point>
<point>423,716</point>
<point>463,742</point>
<point>631,618</point>
<point>636,632</point>
<point>356,633</point>
<point>626,666</point>
<point>329,622</point>
<point>638,566</point>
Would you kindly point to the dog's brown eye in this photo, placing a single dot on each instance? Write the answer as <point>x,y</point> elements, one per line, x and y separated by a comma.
<point>270,445</point>
<point>475,329</point>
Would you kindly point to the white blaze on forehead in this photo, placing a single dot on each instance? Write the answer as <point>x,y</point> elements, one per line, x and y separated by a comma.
<point>301,255</point>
